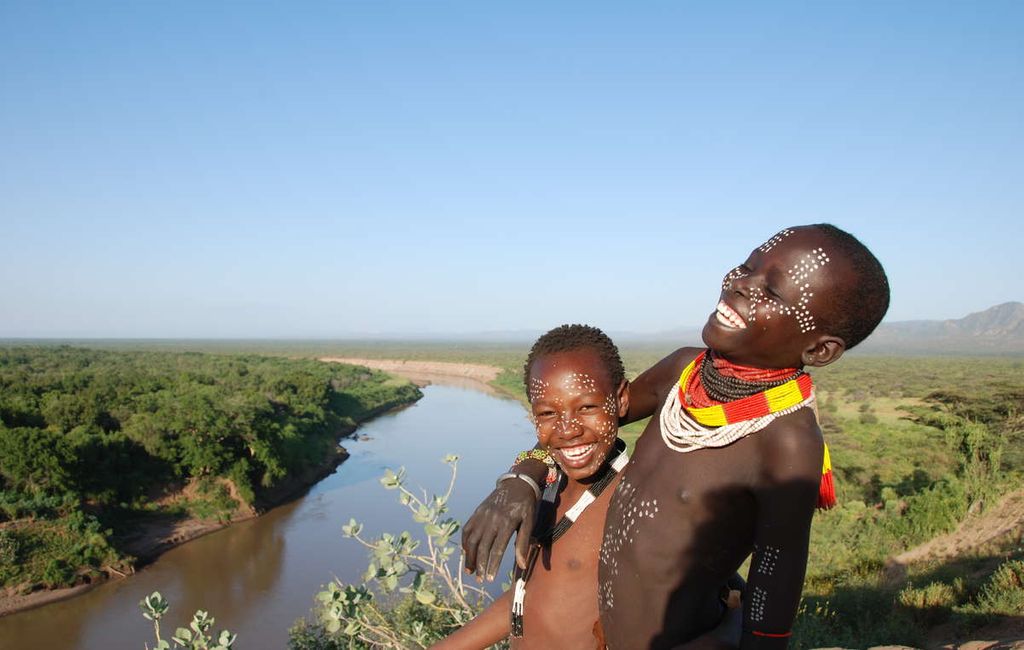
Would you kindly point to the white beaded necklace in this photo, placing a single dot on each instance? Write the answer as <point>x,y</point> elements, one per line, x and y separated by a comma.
<point>684,434</point>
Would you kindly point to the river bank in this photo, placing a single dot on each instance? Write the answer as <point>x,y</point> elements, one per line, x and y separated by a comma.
<point>423,373</point>
<point>156,534</point>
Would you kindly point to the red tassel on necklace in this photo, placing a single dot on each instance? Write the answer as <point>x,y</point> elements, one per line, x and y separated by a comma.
<point>827,489</point>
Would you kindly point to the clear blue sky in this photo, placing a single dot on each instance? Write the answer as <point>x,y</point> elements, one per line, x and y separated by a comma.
<point>237,169</point>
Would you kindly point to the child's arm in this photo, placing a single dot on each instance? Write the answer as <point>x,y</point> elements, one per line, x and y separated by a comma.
<point>490,626</point>
<point>509,508</point>
<point>786,496</point>
<point>647,392</point>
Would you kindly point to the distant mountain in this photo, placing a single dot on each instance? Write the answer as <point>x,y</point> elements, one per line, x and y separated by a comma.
<point>996,330</point>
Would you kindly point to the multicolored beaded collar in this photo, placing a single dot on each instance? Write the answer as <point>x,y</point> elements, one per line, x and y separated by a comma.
<point>766,402</point>
<point>687,428</point>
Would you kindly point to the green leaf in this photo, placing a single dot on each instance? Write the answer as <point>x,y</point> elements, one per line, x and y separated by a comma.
<point>433,530</point>
<point>333,626</point>
<point>183,636</point>
<point>425,597</point>
<point>352,528</point>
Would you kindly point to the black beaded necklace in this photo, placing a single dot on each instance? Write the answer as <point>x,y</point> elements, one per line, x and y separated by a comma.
<point>727,389</point>
<point>616,460</point>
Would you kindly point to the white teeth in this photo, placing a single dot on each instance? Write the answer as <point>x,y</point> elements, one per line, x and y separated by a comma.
<point>728,317</point>
<point>575,453</point>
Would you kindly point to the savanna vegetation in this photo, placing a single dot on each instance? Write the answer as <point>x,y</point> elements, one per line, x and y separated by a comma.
<point>94,444</point>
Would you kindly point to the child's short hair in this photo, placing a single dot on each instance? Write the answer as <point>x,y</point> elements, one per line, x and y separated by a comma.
<point>859,308</point>
<point>566,338</point>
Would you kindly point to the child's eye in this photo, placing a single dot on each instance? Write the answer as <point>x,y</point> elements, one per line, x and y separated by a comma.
<point>588,407</point>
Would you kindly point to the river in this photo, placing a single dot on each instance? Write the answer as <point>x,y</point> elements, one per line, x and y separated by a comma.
<point>258,576</point>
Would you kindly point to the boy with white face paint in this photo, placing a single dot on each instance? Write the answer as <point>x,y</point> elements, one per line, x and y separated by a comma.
<point>578,393</point>
<point>733,461</point>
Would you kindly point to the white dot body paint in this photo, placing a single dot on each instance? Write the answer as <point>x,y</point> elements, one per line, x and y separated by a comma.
<point>758,599</point>
<point>633,512</point>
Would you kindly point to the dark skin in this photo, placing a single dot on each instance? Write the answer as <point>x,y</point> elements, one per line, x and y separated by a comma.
<point>717,505</point>
<point>575,408</point>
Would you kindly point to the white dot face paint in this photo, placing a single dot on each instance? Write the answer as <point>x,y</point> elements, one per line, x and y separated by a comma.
<point>574,410</point>
<point>800,274</point>
<point>763,303</point>
<point>776,239</point>
<point>733,275</point>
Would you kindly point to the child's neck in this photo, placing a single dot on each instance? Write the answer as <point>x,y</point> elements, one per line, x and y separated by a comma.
<point>720,381</point>
<point>748,373</point>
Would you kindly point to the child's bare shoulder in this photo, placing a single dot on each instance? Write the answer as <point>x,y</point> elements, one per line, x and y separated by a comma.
<point>673,365</point>
<point>792,446</point>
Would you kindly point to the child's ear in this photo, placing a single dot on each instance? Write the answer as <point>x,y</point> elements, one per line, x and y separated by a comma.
<point>823,350</point>
<point>623,395</point>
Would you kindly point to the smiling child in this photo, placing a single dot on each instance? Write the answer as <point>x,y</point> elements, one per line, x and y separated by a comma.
<point>578,392</point>
<point>732,464</point>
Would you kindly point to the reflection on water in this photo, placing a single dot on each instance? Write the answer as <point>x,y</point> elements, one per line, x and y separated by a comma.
<point>256,577</point>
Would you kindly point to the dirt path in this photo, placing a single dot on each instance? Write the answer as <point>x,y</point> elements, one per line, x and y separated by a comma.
<point>469,375</point>
<point>974,532</point>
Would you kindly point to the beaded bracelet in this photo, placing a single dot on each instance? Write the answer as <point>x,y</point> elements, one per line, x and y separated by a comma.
<point>545,457</point>
<point>537,454</point>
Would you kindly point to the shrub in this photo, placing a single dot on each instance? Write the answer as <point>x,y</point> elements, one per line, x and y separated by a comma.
<point>409,597</point>
<point>932,604</point>
<point>196,636</point>
<point>1003,594</point>
<point>9,547</point>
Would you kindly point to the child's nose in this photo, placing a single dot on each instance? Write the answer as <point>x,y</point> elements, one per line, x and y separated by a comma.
<point>571,427</point>
<point>741,285</point>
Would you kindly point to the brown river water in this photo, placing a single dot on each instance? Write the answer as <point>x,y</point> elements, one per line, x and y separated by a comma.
<point>257,577</point>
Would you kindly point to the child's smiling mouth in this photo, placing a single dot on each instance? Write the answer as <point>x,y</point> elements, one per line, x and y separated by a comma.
<point>576,456</point>
<point>728,317</point>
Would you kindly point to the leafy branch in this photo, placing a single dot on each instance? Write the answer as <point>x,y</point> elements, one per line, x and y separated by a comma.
<point>435,597</point>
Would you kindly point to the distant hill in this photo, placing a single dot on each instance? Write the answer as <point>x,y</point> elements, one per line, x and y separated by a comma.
<point>997,330</point>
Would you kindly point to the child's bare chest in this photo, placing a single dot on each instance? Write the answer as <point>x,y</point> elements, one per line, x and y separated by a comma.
<point>561,595</point>
<point>671,508</point>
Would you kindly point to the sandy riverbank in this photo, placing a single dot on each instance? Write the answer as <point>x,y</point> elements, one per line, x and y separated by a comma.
<point>475,376</point>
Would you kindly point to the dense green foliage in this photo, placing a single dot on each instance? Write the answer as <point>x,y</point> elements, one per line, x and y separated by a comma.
<point>91,436</point>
